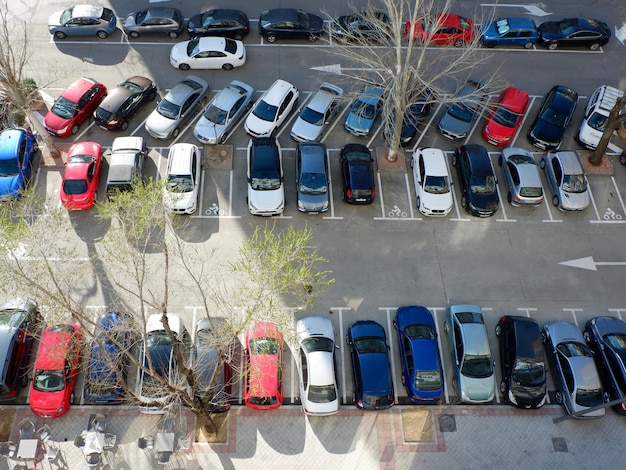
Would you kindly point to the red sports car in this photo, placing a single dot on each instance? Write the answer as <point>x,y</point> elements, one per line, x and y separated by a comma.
<point>506,116</point>
<point>82,174</point>
<point>441,29</point>
<point>56,370</point>
<point>75,104</point>
<point>263,384</point>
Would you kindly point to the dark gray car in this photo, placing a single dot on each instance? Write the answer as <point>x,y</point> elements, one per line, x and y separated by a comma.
<point>312,177</point>
<point>211,370</point>
<point>458,118</point>
<point>155,21</point>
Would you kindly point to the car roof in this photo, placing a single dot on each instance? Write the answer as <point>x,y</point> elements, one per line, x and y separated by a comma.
<point>321,370</point>
<point>585,372</point>
<point>313,157</point>
<point>281,14</point>
<point>514,99</point>
<point>54,348</point>
<point>227,14</point>
<point>569,162</point>
<point>324,97</point>
<point>212,43</point>
<point>475,340</point>
<point>434,162</point>
<point>76,90</point>
<point>161,12</point>
<point>229,95</point>
<point>371,94</point>
<point>115,98</point>
<point>275,94</point>
<point>520,23</point>
<point>607,325</point>
<point>179,159</point>
<point>87,11</point>
<point>478,159</point>
<point>184,88</point>
<point>10,140</point>
<point>527,338</point>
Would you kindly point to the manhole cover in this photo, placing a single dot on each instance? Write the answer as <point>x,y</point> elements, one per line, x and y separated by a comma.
<point>447,423</point>
<point>559,444</point>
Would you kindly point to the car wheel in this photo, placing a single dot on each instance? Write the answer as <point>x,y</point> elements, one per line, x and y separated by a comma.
<point>500,160</point>
<point>24,380</point>
<point>587,336</point>
<point>555,201</point>
<point>509,197</point>
<point>60,35</point>
<point>184,67</point>
<point>498,330</point>
<point>622,158</point>
<point>403,379</point>
<point>227,66</point>
<point>446,327</point>
<point>102,34</point>
<point>503,387</point>
<point>453,160</point>
<point>124,126</point>
<point>458,43</point>
<point>552,46</point>
<point>74,129</point>
<point>134,34</point>
<point>222,138</point>
<point>173,35</point>
<point>542,163</point>
<point>152,96</point>
<point>313,38</point>
<point>35,146</point>
<point>418,201</point>
<point>558,396</point>
<point>271,38</point>
<point>72,397</point>
<point>464,202</point>
<point>347,341</point>
<point>595,46</point>
<point>454,384</point>
<point>175,133</point>
<point>544,338</point>
<point>528,45</point>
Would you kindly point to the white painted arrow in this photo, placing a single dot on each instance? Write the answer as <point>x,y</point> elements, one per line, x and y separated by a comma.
<point>620,34</point>
<point>589,263</point>
<point>338,69</point>
<point>531,9</point>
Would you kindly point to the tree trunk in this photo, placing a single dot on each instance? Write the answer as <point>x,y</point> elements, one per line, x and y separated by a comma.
<point>615,119</point>
<point>43,133</point>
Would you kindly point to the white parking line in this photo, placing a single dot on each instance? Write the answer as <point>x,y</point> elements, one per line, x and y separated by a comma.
<point>342,348</point>
<point>391,353</point>
<point>443,366</point>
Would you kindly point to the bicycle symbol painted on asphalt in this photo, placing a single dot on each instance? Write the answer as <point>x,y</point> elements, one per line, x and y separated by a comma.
<point>396,212</point>
<point>214,209</point>
<point>610,214</point>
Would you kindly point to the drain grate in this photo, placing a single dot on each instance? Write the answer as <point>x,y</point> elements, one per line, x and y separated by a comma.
<point>447,423</point>
<point>559,444</point>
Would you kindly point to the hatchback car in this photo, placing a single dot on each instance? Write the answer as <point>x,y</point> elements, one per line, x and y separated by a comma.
<point>432,182</point>
<point>56,370</point>
<point>573,369</point>
<point>521,361</point>
<point>554,116</point>
<point>74,106</point>
<point>20,324</point>
<point>574,32</point>
<point>442,28</point>
<point>357,174</point>
<point>506,116</point>
<point>566,179</point>
<point>223,113</point>
<point>457,121</point>
<point>521,175</point>
<point>155,21</point>
<point>315,360</point>
<point>263,376</point>
<point>223,22</point>
<point>272,109</point>
<point>318,114</point>
<point>312,178</point>
<point>182,180</point>
<point>422,374</point>
<point>208,53</point>
<point>363,111</point>
<point>123,102</point>
<point>509,32</point>
<point>127,157</point>
<point>82,20</point>
<point>290,23</point>
<point>178,106</point>
<point>17,152</point>
<point>364,25</point>
<point>371,370</point>
<point>477,180</point>
<point>471,356</point>
<point>266,191</point>
<point>211,370</point>
<point>79,188</point>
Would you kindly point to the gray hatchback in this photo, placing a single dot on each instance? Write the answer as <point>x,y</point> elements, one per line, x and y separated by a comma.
<point>312,177</point>
<point>458,118</point>
<point>521,174</point>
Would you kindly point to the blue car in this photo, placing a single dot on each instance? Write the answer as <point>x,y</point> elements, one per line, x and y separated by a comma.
<point>422,374</point>
<point>363,112</point>
<point>510,32</point>
<point>369,353</point>
<point>17,150</point>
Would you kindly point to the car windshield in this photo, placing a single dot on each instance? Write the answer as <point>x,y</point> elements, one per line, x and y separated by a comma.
<point>589,398</point>
<point>303,19</point>
<point>502,26</point>
<point>318,343</point>
<point>370,345</point>
<point>264,346</point>
<point>461,112</point>
<point>322,393</point>
<point>574,183</point>
<point>265,111</point>
<point>179,183</point>
<point>75,186</point>
<point>216,115</point>
<point>483,184</point>
<point>168,109</point>
<point>617,341</point>
<point>573,348</point>
<point>9,167</point>
<point>132,87</point>
<point>505,117</point>
<point>193,47</point>
<point>49,381</point>
<point>436,184</point>
<point>12,318</point>
<point>478,367</point>
<point>263,401</point>
<point>159,338</point>
<point>469,317</point>
<point>312,117</point>
<point>64,108</point>
<point>419,332</point>
<point>66,15</point>
<point>553,117</point>
<point>598,121</point>
<point>528,372</point>
<point>265,184</point>
<point>313,183</point>
<point>531,191</point>
<point>364,110</point>
<point>428,380</point>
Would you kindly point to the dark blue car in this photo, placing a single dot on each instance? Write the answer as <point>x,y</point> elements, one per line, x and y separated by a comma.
<point>369,353</point>
<point>477,180</point>
<point>555,115</point>
<point>510,32</point>
<point>17,150</point>
<point>422,375</point>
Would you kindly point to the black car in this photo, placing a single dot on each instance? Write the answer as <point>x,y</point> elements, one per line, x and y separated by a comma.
<point>521,360</point>
<point>477,181</point>
<point>223,22</point>
<point>553,118</point>
<point>413,115</point>
<point>155,21</point>
<point>574,32</point>
<point>123,102</point>
<point>606,337</point>
<point>290,23</point>
<point>371,26</point>
<point>357,170</point>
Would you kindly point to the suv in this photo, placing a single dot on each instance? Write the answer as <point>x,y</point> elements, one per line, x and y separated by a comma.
<point>180,193</point>
<point>477,180</point>
<point>266,191</point>
<point>272,109</point>
<point>318,113</point>
<point>127,155</point>
<point>597,115</point>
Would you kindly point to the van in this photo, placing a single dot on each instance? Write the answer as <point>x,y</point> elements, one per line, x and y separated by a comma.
<point>597,115</point>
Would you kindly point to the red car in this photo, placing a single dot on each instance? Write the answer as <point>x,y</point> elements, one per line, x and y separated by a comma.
<point>263,380</point>
<point>506,116</point>
<point>75,104</point>
<point>56,370</point>
<point>441,29</point>
<point>82,174</point>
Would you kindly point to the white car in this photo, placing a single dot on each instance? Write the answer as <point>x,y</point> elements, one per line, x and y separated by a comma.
<point>208,53</point>
<point>184,169</point>
<point>317,114</point>
<point>266,191</point>
<point>271,110</point>
<point>315,359</point>
<point>432,182</point>
<point>597,115</point>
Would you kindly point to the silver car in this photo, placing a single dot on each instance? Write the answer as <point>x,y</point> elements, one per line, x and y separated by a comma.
<point>566,179</point>
<point>521,174</point>
<point>458,118</point>
<point>317,114</point>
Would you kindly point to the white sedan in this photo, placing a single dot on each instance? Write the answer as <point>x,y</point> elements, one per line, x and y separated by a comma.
<point>432,182</point>
<point>208,53</point>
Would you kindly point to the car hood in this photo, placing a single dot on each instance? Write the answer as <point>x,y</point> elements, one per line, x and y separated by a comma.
<point>313,202</point>
<point>159,123</point>
<point>454,125</point>
<point>208,130</point>
<point>54,122</point>
<point>179,51</point>
<point>478,390</point>
<point>437,201</point>
<point>375,377</point>
<point>487,202</point>
<point>46,403</point>
<point>259,127</point>
<point>574,201</point>
<point>178,201</point>
<point>498,131</point>
<point>267,201</point>
<point>359,123</point>
<point>305,130</point>
<point>528,395</point>
<point>548,132</point>
<point>55,19</point>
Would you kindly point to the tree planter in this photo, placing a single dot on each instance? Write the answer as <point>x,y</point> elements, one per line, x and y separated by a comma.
<point>621,131</point>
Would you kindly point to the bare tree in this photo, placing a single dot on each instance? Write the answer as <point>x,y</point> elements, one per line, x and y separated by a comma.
<point>616,119</point>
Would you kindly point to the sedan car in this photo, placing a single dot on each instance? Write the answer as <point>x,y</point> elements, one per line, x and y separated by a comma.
<point>208,53</point>
<point>74,106</point>
<point>573,369</point>
<point>266,191</point>
<point>371,370</point>
<point>471,356</point>
<point>442,28</point>
<point>223,22</point>
<point>263,377</point>
<point>521,361</point>
<point>506,116</point>
<point>155,21</point>
<point>422,374</point>
<point>212,371</point>
<point>17,151</point>
<point>290,23</point>
<point>457,121</point>
<point>509,32</point>
<point>223,113</point>
<point>82,20</point>
<point>566,179</point>
<point>357,174</point>
<point>315,360</point>
<point>272,109</point>
<point>606,336</point>
<point>521,175</point>
<point>56,370</point>
<point>364,25</point>
<point>312,178</point>
<point>574,32</point>
<point>81,178</point>
<point>182,179</point>
<point>123,102</point>
<point>553,118</point>
<point>178,106</point>
<point>360,120</point>
<point>432,182</point>
<point>477,180</point>
<point>318,114</point>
